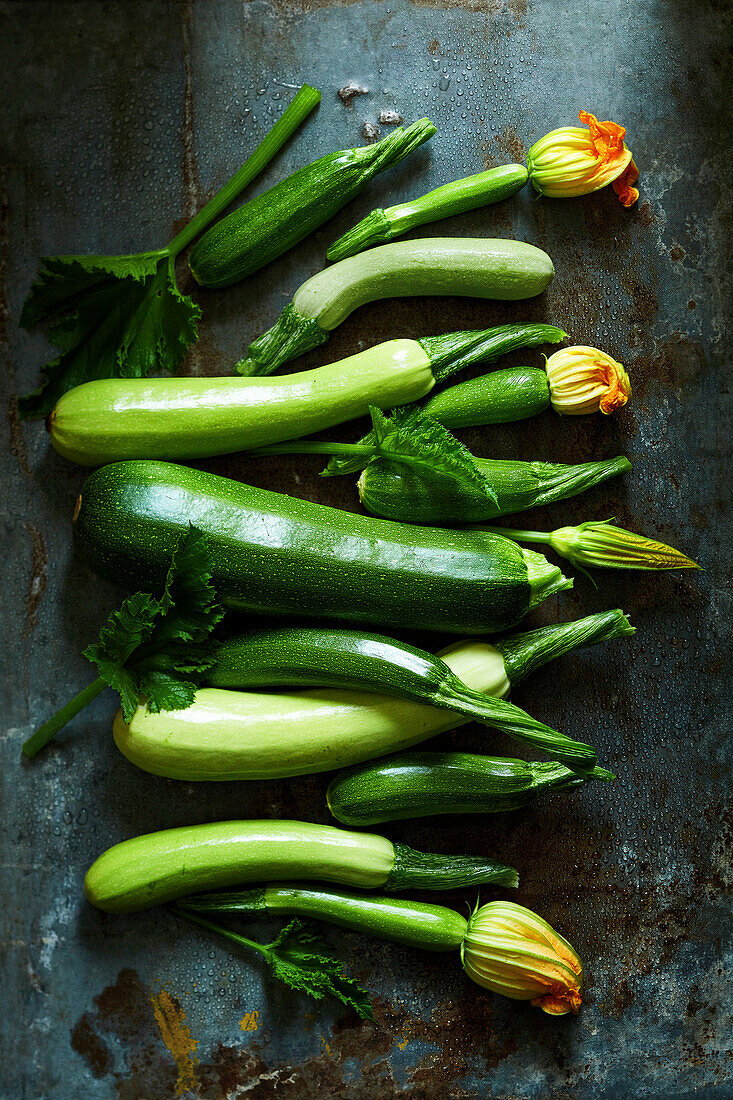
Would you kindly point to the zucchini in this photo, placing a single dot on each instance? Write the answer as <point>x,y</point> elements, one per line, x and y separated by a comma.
<point>278,555</point>
<point>464,266</point>
<point>119,418</point>
<point>500,397</point>
<point>455,197</point>
<point>418,784</point>
<point>325,657</point>
<point>158,867</point>
<point>414,923</point>
<point>396,491</point>
<point>251,735</point>
<point>273,222</point>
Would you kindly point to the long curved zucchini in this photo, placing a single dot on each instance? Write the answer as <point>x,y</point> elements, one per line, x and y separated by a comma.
<point>465,266</point>
<point>414,923</point>
<point>418,784</point>
<point>119,418</point>
<point>158,867</point>
<point>456,197</point>
<point>395,491</point>
<point>251,735</point>
<point>279,555</point>
<point>273,222</point>
<point>324,657</point>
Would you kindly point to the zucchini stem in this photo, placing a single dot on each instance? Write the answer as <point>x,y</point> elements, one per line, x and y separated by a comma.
<point>49,729</point>
<point>302,105</point>
<point>526,652</point>
<point>453,351</point>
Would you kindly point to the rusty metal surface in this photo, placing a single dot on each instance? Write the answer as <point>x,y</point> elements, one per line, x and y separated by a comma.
<point>118,120</point>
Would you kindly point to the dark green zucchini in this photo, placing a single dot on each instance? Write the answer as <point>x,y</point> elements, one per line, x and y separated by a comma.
<point>279,555</point>
<point>500,397</point>
<point>416,784</point>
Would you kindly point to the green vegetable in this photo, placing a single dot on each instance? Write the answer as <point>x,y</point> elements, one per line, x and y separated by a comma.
<point>112,419</point>
<point>600,545</point>
<point>158,867</point>
<point>327,657</point>
<point>504,947</point>
<point>414,923</point>
<point>152,649</point>
<point>415,471</point>
<point>275,554</point>
<point>463,266</point>
<point>297,958</point>
<point>275,221</point>
<point>123,316</point>
<point>249,735</point>
<point>456,197</point>
<point>417,784</point>
<point>497,398</point>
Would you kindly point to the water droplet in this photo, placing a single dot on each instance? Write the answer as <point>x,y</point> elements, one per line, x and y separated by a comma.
<point>444,82</point>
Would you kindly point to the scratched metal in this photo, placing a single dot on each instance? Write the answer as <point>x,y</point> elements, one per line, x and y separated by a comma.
<point>120,119</point>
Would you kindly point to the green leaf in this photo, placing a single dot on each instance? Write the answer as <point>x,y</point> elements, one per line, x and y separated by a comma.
<point>156,649</point>
<point>109,317</point>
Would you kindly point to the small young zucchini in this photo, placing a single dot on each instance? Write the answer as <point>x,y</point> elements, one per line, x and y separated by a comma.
<point>414,923</point>
<point>158,867</point>
<point>228,735</point>
<point>279,555</point>
<point>500,397</point>
<point>183,418</point>
<point>327,657</point>
<point>275,221</point>
<point>394,490</point>
<point>456,197</point>
<point>419,784</point>
<point>465,266</point>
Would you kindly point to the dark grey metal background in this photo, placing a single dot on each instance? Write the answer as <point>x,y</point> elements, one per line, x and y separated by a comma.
<point>120,119</point>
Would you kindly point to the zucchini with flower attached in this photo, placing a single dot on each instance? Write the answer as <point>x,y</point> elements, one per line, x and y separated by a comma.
<point>159,867</point>
<point>278,555</point>
<point>464,266</point>
<point>415,471</point>
<point>419,784</point>
<point>184,418</point>
<point>275,221</point>
<point>456,197</point>
<point>250,734</point>
<point>601,545</point>
<point>504,947</point>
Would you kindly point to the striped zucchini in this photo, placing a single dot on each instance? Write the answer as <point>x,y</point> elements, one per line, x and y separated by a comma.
<point>158,867</point>
<point>464,266</point>
<point>278,555</point>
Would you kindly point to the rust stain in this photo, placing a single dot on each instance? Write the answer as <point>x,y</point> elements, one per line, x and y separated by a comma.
<point>38,580</point>
<point>250,1021</point>
<point>176,1035</point>
<point>15,430</point>
<point>434,47</point>
<point>511,144</point>
<point>86,1043</point>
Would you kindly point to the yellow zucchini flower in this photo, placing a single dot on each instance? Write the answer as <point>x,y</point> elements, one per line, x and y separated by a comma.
<point>575,161</point>
<point>586,380</point>
<point>510,950</point>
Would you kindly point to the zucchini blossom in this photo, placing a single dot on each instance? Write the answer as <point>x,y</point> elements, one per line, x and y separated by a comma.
<point>574,161</point>
<point>598,543</point>
<point>510,950</point>
<point>586,380</point>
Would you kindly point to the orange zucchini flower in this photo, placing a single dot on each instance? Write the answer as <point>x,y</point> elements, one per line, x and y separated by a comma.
<point>510,950</point>
<point>572,161</point>
<point>586,380</point>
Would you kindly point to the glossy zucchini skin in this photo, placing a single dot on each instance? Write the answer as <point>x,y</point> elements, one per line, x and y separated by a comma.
<point>393,490</point>
<point>275,221</point>
<point>419,784</point>
<point>158,867</point>
<point>125,418</point>
<point>500,397</point>
<point>275,554</point>
<point>414,923</point>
